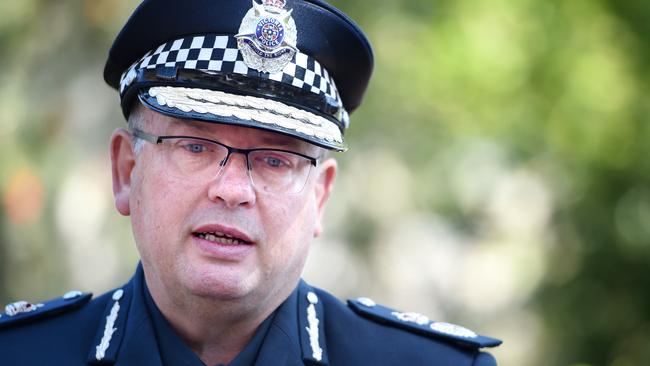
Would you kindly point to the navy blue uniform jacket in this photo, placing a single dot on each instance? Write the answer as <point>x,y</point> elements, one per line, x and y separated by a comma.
<point>68,331</point>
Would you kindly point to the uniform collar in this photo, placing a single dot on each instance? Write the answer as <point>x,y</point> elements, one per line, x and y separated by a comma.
<point>289,341</point>
<point>311,325</point>
<point>174,351</point>
<point>295,334</point>
<point>282,343</point>
<point>133,342</point>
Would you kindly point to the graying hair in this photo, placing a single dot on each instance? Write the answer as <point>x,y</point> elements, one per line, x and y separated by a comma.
<point>136,122</point>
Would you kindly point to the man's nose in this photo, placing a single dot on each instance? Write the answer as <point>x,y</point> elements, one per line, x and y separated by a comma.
<point>233,185</point>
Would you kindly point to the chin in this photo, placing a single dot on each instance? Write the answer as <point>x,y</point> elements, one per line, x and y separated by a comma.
<point>220,284</point>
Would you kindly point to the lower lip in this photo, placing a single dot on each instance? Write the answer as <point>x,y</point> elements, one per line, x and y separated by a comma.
<point>225,252</point>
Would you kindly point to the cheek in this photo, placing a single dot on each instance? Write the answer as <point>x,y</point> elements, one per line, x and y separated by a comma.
<point>158,214</point>
<point>162,197</point>
<point>290,228</point>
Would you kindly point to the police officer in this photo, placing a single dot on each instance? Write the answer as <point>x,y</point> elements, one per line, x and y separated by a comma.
<point>231,108</point>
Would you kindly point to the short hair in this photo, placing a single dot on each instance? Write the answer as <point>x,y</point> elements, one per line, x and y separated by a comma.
<point>136,122</point>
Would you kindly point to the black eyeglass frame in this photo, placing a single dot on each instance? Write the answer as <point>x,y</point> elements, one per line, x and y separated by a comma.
<point>159,139</point>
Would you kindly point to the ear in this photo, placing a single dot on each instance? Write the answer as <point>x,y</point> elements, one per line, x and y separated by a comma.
<point>324,183</point>
<point>122,163</point>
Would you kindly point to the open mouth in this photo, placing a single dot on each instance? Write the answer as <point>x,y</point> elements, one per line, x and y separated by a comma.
<point>221,238</point>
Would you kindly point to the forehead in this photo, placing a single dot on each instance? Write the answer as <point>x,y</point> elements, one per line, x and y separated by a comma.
<point>237,136</point>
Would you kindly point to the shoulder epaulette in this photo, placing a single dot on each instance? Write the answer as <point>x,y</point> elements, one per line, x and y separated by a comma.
<point>420,324</point>
<point>22,311</point>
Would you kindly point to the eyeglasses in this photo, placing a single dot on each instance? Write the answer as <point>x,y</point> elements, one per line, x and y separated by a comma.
<point>200,159</point>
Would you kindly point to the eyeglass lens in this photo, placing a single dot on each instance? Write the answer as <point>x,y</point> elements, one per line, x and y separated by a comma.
<point>269,170</point>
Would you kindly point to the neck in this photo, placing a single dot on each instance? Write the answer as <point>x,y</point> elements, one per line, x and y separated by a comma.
<point>216,330</point>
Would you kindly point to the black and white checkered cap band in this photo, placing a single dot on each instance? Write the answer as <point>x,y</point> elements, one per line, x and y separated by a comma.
<point>219,53</point>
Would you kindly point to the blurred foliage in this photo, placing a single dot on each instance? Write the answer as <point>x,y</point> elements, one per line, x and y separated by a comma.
<point>519,127</point>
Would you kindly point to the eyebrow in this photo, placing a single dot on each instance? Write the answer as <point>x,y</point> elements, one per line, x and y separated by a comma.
<point>193,125</point>
<point>280,141</point>
<point>275,140</point>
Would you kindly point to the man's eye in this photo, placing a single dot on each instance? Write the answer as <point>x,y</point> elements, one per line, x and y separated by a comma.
<point>195,148</point>
<point>274,162</point>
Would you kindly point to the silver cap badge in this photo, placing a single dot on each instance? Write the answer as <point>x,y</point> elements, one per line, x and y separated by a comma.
<point>267,36</point>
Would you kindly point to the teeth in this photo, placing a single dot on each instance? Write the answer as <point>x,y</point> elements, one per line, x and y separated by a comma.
<point>221,238</point>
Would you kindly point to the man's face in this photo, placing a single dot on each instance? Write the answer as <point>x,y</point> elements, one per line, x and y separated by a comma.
<point>170,215</point>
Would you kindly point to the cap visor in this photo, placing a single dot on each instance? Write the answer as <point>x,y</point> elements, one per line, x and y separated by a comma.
<point>243,110</point>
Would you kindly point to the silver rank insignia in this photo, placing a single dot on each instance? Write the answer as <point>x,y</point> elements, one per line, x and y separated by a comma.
<point>109,327</point>
<point>453,329</point>
<point>312,329</point>
<point>19,307</point>
<point>411,317</point>
<point>267,36</point>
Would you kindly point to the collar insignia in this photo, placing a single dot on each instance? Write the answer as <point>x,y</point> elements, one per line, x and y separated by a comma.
<point>267,36</point>
<point>312,329</point>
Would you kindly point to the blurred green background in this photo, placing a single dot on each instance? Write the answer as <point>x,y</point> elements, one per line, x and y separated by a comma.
<point>499,175</point>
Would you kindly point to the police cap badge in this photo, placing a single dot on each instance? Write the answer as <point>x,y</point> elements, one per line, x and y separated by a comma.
<point>267,36</point>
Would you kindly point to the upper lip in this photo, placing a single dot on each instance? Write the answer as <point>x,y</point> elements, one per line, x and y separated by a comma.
<point>221,229</point>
